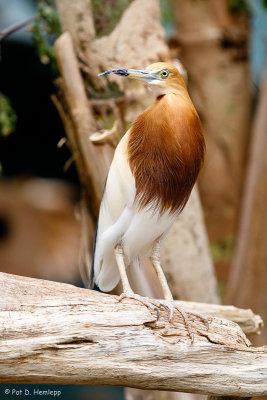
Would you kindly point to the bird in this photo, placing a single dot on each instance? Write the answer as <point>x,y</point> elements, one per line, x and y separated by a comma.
<point>154,169</point>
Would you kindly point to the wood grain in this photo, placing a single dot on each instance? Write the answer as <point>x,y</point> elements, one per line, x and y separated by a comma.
<point>56,333</point>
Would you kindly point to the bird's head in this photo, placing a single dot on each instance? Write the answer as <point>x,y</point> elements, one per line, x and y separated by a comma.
<point>162,77</point>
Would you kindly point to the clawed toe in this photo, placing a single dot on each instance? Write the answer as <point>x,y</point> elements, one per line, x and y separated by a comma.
<point>170,307</point>
<point>150,304</point>
<point>204,319</point>
<point>165,307</point>
<point>157,311</point>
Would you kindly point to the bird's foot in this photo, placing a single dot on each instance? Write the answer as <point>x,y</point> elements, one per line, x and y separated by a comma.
<point>151,304</point>
<point>170,306</point>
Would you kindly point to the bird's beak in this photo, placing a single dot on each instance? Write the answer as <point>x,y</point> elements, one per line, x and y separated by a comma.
<point>142,75</point>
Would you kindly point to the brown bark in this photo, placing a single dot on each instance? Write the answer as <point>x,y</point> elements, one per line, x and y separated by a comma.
<point>248,275</point>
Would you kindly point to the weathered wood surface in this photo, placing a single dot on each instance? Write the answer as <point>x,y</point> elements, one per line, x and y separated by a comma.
<point>56,333</point>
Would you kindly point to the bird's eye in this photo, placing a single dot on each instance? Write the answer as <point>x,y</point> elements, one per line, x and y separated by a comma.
<point>164,74</point>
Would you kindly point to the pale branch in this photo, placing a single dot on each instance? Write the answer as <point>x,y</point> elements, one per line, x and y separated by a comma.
<point>80,123</point>
<point>57,333</point>
<point>13,28</point>
<point>245,318</point>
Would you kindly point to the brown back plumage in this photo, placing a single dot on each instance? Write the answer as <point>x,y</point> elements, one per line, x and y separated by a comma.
<point>165,152</point>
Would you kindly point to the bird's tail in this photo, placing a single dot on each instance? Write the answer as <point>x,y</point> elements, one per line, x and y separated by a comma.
<point>91,280</point>
<point>105,270</point>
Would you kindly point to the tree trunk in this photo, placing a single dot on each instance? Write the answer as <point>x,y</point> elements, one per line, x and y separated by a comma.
<point>214,52</point>
<point>248,277</point>
<point>186,256</point>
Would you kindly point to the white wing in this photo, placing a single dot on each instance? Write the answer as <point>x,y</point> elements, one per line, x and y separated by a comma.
<point>114,217</point>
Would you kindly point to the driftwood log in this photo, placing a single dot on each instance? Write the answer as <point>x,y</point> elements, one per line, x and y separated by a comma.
<point>56,333</point>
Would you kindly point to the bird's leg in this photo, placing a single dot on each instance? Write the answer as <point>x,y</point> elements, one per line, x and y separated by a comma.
<point>169,303</point>
<point>127,290</point>
<point>155,259</point>
<point>122,270</point>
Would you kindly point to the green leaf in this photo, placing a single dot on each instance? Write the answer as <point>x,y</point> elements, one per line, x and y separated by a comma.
<point>8,116</point>
<point>222,249</point>
<point>45,31</point>
<point>236,6</point>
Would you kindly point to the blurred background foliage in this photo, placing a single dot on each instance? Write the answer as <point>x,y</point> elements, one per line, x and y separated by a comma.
<point>107,13</point>
<point>8,117</point>
<point>45,29</point>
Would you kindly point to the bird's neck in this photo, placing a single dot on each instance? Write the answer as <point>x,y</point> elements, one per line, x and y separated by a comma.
<point>165,152</point>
